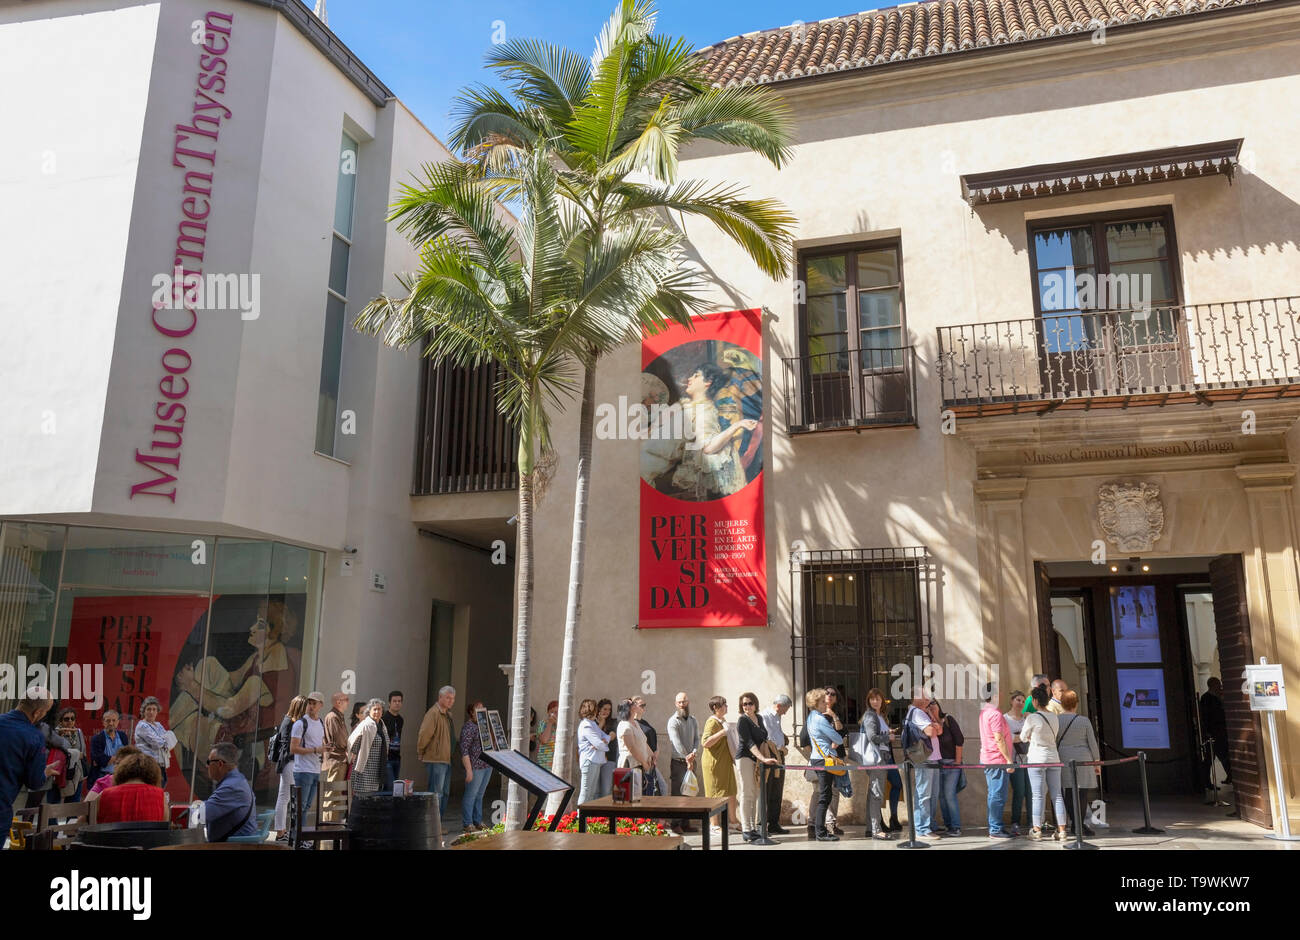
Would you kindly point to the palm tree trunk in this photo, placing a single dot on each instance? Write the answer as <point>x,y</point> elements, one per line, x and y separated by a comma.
<point>563,766</point>
<point>517,797</point>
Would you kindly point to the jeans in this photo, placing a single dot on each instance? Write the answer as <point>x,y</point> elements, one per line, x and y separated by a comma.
<point>307,782</point>
<point>394,771</point>
<point>590,786</point>
<point>280,823</point>
<point>1020,797</point>
<point>1049,777</point>
<point>927,787</point>
<point>895,793</point>
<point>606,779</point>
<point>471,803</point>
<point>999,782</point>
<point>824,789</point>
<point>440,783</point>
<point>948,781</point>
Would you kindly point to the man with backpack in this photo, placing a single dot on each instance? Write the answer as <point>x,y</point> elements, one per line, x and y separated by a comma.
<point>307,744</point>
<point>920,735</point>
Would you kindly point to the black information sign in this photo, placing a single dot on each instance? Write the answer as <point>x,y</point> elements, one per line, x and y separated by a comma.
<point>534,778</point>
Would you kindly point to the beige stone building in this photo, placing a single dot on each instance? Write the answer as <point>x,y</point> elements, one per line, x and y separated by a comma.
<point>1030,395</point>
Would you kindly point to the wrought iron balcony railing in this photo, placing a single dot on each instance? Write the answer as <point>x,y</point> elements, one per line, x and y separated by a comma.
<point>1186,352</point>
<point>854,388</point>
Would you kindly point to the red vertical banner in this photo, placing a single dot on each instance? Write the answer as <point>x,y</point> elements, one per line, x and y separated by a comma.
<point>702,558</point>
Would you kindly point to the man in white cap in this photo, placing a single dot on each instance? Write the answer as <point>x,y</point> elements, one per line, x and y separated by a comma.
<point>307,744</point>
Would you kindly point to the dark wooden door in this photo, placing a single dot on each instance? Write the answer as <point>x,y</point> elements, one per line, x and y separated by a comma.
<point>1048,651</point>
<point>1232,625</point>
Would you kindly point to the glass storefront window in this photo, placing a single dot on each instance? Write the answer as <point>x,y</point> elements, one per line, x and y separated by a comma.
<point>221,631</point>
<point>30,558</point>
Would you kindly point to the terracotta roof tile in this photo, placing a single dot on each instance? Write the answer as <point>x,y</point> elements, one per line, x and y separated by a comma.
<point>924,30</point>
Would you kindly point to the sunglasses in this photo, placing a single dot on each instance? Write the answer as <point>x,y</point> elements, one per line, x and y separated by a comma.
<point>215,760</point>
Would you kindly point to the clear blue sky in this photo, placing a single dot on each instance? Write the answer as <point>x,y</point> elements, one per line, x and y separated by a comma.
<point>427,50</point>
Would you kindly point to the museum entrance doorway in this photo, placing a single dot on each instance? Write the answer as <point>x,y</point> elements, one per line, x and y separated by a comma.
<point>1137,638</point>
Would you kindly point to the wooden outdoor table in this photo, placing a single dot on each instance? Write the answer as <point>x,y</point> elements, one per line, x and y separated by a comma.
<point>702,808</point>
<point>570,841</point>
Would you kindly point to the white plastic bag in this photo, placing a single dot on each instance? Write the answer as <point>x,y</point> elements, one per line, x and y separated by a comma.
<point>197,815</point>
<point>690,785</point>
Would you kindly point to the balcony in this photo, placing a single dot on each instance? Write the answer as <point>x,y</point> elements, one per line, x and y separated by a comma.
<point>1247,349</point>
<point>854,388</point>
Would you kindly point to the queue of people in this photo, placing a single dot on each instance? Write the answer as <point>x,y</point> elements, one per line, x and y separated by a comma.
<point>725,756</point>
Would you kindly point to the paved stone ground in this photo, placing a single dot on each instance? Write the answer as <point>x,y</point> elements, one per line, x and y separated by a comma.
<point>1187,822</point>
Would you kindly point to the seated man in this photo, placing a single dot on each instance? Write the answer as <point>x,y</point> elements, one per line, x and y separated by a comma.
<point>231,809</point>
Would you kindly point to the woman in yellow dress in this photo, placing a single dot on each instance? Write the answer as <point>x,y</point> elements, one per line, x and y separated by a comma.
<point>719,766</point>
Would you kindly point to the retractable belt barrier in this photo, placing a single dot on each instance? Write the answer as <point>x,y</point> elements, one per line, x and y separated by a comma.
<point>907,767</point>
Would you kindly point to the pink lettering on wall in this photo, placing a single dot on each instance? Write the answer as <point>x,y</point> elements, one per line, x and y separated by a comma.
<point>194,152</point>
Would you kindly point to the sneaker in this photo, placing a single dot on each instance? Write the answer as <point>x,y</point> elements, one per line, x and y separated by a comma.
<point>1015,829</point>
<point>1060,836</point>
<point>1001,835</point>
<point>1036,834</point>
<point>882,835</point>
<point>828,837</point>
<point>748,836</point>
<point>777,830</point>
<point>953,833</point>
<point>932,836</point>
<point>835,829</point>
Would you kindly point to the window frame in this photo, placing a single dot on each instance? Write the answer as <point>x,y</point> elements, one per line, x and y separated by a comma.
<point>1098,221</point>
<point>850,250</point>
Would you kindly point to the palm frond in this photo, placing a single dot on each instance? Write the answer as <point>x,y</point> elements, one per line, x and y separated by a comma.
<point>762,227</point>
<point>547,76</point>
<point>749,117</point>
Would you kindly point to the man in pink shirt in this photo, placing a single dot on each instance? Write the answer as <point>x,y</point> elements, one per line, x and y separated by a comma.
<point>995,748</point>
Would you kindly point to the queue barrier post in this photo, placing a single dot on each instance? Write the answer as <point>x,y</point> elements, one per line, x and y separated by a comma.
<point>763,838</point>
<point>911,842</point>
<point>1078,810</point>
<point>1146,828</point>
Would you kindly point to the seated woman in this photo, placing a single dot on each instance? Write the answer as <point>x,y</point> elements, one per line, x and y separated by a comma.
<point>104,782</point>
<point>136,794</point>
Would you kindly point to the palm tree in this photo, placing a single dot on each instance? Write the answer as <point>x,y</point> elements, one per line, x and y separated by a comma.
<point>526,298</point>
<point>617,123</point>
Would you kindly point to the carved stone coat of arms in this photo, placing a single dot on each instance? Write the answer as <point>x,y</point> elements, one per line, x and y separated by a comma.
<point>1131,515</point>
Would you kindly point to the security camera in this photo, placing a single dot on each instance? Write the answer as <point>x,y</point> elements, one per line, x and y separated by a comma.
<point>512,520</point>
<point>349,549</point>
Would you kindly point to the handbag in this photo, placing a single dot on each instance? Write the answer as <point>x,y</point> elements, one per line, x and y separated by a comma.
<point>833,765</point>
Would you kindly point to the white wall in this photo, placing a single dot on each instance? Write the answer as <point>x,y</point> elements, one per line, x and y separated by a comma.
<point>73,100</point>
